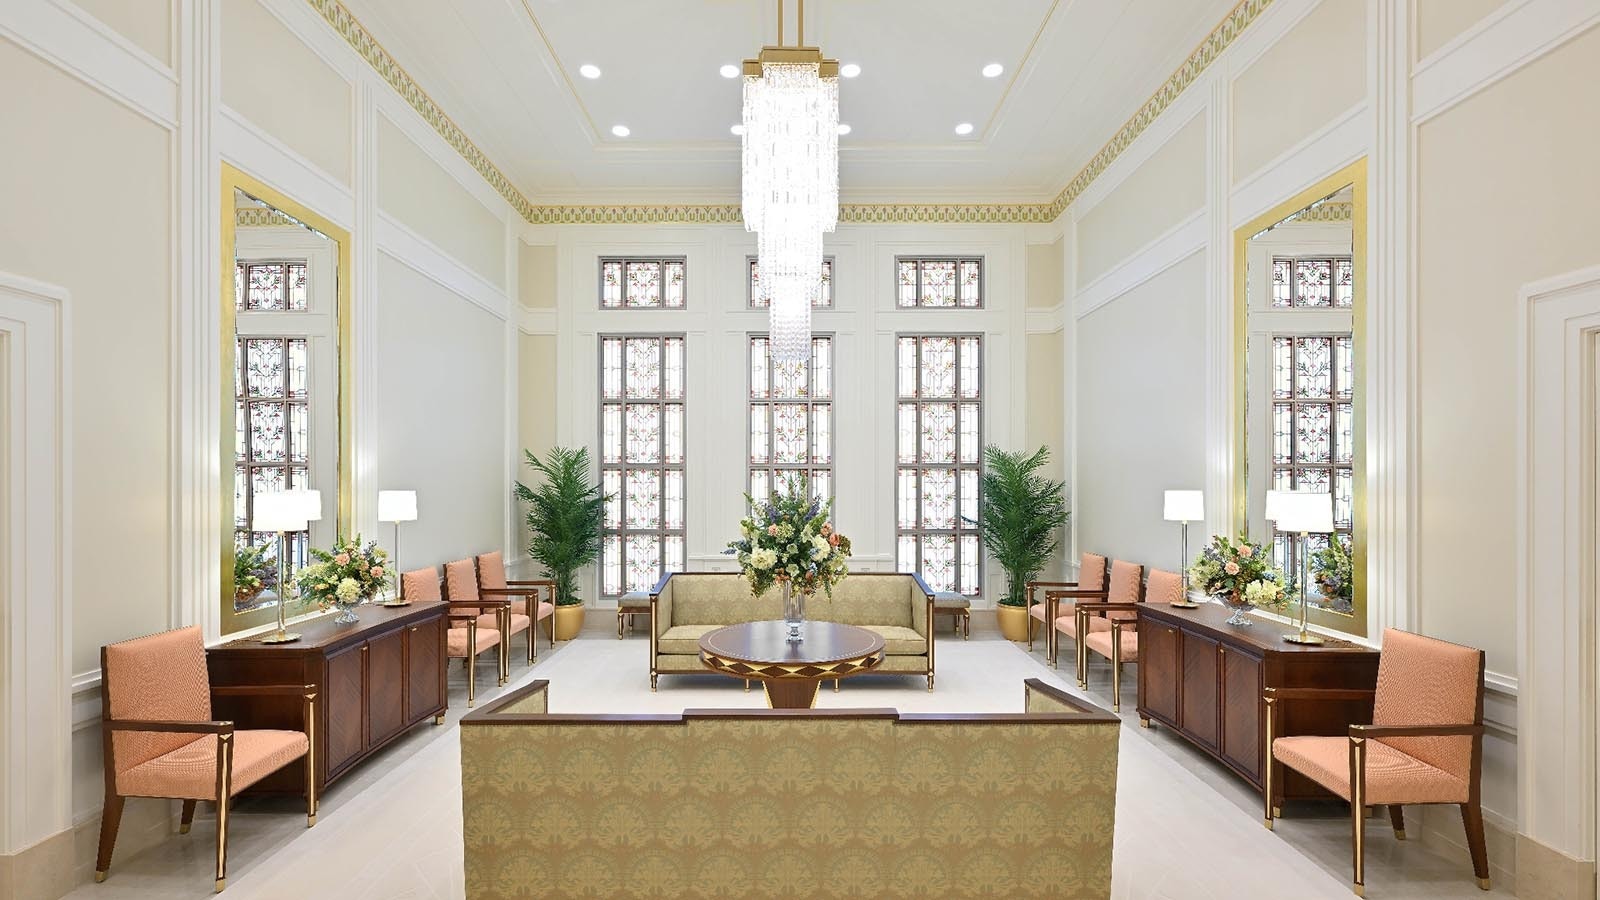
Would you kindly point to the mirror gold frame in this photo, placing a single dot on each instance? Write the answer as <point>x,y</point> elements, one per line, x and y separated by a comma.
<point>235,179</point>
<point>1355,177</point>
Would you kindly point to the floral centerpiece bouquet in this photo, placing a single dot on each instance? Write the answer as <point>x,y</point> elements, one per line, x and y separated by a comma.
<point>345,576</point>
<point>787,540</point>
<point>1241,573</point>
<point>253,574</point>
<point>1334,574</point>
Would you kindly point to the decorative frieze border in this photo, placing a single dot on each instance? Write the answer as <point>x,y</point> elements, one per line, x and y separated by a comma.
<point>346,24</point>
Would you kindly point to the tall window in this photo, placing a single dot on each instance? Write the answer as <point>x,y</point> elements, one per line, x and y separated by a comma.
<point>1313,282</point>
<point>939,282</point>
<point>938,459</point>
<point>642,283</point>
<point>641,460</point>
<point>1313,417</point>
<point>791,418</point>
<point>824,298</point>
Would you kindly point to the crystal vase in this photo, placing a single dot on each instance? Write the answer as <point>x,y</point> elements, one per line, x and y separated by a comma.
<point>794,612</point>
<point>347,613</point>
<point>1236,602</point>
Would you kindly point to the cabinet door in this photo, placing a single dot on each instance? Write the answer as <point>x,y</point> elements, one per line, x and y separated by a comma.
<point>386,686</point>
<point>424,660</point>
<point>1241,712</point>
<point>1159,669</point>
<point>1199,689</point>
<point>346,691</point>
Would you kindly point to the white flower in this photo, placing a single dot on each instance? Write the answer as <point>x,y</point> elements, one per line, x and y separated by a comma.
<point>348,590</point>
<point>820,548</point>
<point>763,558</point>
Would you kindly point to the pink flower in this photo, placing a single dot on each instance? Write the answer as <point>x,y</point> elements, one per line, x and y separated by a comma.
<point>827,529</point>
<point>1232,568</point>
<point>772,530</point>
<point>377,571</point>
<point>1247,551</point>
<point>833,539</point>
<point>342,559</point>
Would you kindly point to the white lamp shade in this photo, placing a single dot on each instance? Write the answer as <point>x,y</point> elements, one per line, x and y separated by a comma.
<point>397,506</point>
<point>1184,506</point>
<point>1274,507</point>
<point>278,511</point>
<point>1302,512</point>
<point>309,503</point>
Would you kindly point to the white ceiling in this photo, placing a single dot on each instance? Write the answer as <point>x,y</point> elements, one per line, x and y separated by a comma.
<point>507,72</point>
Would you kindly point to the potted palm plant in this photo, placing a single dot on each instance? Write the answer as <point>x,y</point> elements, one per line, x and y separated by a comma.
<point>564,516</point>
<point>1020,520</point>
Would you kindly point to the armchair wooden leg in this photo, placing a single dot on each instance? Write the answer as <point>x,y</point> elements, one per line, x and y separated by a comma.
<point>224,796</point>
<point>966,625</point>
<point>1030,633</point>
<point>505,645</point>
<point>186,820</point>
<point>1358,812</point>
<point>1116,666</point>
<point>930,682</point>
<point>472,661</point>
<point>1398,818</point>
<point>110,820</point>
<point>1472,820</point>
<point>311,758</point>
<point>836,685</point>
<point>1268,772</point>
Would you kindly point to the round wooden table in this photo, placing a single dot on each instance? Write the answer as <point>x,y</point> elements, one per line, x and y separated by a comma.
<point>791,672</point>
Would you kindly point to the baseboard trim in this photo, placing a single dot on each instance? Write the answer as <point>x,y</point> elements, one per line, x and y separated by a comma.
<point>1548,873</point>
<point>1443,833</point>
<point>42,871</point>
<point>145,823</point>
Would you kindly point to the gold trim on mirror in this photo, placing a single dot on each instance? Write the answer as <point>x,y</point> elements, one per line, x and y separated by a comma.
<point>1353,176</point>
<point>233,179</point>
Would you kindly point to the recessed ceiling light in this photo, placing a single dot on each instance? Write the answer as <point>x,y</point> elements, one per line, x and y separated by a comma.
<point>622,130</point>
<point>737,129</point>
<point>993,70</point>
<point>849,70</point>
<point>729,71</point>
<point>965,128</point>
<point>844,129</point>
<point>589,70</point>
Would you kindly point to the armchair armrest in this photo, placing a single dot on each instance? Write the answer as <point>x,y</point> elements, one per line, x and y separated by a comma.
<point>1110,607</point>
<point>507,592</point>
<point>242,690</point>
<point>1074,592</point>
<point>480,603</point>
<point>222,727</point>
<point>1325,694</point>
<point>533,582</point>
<point>1394,731</point>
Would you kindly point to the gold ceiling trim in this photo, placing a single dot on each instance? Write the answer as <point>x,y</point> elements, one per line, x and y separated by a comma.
<point>365,45</point>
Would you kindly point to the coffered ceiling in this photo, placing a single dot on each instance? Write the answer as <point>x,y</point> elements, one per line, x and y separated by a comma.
<point>508,73</point>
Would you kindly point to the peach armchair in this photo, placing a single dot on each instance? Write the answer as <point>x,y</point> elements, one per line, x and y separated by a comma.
<point>461,589</point>
<point>524,596</point>
<point>1425,743</point>
<point>464,640</point>
<point>1118,640</point>
<point>1122,587</point>
<point>160,739</point>
<point>1091,583</point>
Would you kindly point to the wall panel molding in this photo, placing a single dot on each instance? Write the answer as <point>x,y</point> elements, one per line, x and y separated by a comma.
<point>414,251</point>
<point>1505,41</point>
<point>1177,244</point>
<point>89,51</point>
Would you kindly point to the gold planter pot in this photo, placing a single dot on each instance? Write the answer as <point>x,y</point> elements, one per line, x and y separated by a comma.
<point>566,623</point>
<point>1014,622</point>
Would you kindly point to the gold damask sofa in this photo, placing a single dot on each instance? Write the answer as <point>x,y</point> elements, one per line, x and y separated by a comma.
<point>824,803</point>
<point>687,605</point>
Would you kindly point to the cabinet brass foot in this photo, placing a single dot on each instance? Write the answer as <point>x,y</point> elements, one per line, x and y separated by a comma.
<point>439,719</point>
<point>99,876</point>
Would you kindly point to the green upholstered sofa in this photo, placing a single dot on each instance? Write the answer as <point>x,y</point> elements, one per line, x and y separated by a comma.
<point>684,606</point>
<point>756,803</point>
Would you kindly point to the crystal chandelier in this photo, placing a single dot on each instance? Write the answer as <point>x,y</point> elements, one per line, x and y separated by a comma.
<point>791,179</point>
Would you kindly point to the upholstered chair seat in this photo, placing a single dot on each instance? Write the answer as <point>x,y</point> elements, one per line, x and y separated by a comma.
<point>1392,776</point>
<point>1100,642</point>
<point>461,588</point>
<point>1060,598</point>
<point>468,635</point>
<point>190,771</point>
<point>1124,587</point>
<point>1068,624</point>
<point>1117,639</point>
<point>456,640</point>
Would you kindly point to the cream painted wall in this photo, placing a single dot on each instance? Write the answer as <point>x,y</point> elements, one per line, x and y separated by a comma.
<point>278,83</point>
<point>147,23</point>
<point>536,414</point>
<point>1313,74</point>
<point>1140,414</point>
<point>428,200</point>
<point>536,275</point>
<point>115,259</point>
<point>441,415</point>
<point>1044,274</point>
<point>1440,21</point>
<point>1158,195</point>
<point>1508,180</point>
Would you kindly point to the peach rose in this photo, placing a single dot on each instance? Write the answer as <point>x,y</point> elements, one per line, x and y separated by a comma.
<point>1232,568</point>
<point>772,530</point>
<point>377,571</point>
<point>1247,551</point>
<point>342,559</point>
<point>827,529</point>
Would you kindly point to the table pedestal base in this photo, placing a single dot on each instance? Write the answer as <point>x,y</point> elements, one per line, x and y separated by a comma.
<point>791,693</point>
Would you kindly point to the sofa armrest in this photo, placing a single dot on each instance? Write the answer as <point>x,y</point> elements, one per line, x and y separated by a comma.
<point>661,607</point>
<point>921,610</point>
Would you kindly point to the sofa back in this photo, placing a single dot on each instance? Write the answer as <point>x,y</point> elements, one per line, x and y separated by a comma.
<point>725,598</point>
<point>844,803</point>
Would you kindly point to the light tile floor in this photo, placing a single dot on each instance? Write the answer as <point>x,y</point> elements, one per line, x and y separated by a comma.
<point>1186,828</point>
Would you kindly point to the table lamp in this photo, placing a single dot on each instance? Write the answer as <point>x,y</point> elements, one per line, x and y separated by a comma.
<point>1307,514</point>
<point>281,511</point>
<point>1185,507</point>
<point>397,507</point>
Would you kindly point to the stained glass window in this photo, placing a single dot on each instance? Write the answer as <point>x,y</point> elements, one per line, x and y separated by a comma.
<point>939,282</point>
<point>791,419</point>
<point>641,460</point>
<point>270,286</point>
<point>272,433</point>
<point>1313,429</point>
<point>642,283</point>
<point>1313,282</point>
<point>824,297</point>
<point>938,459</point>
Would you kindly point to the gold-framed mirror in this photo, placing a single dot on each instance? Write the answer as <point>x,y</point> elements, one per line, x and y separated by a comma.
<point>1300,345</point>
<point>285,382</point>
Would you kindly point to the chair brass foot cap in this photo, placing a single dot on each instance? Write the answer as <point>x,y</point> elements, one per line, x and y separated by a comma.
<point>1143,722</point>
<point>1116,707</point>
<point>221,883</point>
<point>183,828</point>
<point>311,820</point>
<point>469,704</point>
<point>438,720</point>
<point>1277,812</point>
<point>99,876</point>
<point>1399,834</point>
<point>1483,884</point>
<point>1360,889</point>
<point>1268,823</point>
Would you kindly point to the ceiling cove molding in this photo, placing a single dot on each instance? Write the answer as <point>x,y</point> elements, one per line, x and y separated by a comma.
<point>368,48</point>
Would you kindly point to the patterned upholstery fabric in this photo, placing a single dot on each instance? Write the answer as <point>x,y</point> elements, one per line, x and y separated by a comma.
<point>545,609</point>
<point>492,570</point>
<point>190,771</point>
<point>950,600</point>
<point>1124,587</point>
<point>421,585</point>
<point>1100,642</point>
<point>1068,625</point>
<point>1392,776</point>
<point>1163,587</point>
<point>161,678</point>
<point>461,581</point>
<point>1424,681</point>
<point>1091,571</point>
<point>684,638</point>
<point>899,640</point>
<point>706,817</point>
<point>456,641</point>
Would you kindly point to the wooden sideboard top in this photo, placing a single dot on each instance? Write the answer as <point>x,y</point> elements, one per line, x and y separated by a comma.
<point>322,633</point>
<point>1265,635</point>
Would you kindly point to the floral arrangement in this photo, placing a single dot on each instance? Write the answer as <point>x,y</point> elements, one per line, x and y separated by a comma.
<point>345,575</point>
<point>253,573</point>
<point>1334,573</point>
<point>1241,572</point>
<point>789,539</point>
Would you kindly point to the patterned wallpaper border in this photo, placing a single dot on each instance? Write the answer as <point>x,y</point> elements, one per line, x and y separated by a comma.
<point>348,27</point>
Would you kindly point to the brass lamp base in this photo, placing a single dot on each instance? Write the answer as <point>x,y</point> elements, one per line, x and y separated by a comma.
<point>1187,604</point>
<point>1303,637</point>
<point>281,637</point>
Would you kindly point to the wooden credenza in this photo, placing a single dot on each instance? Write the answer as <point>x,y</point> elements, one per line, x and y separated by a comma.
<point>374,681</point>
<point>1204,679</point>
